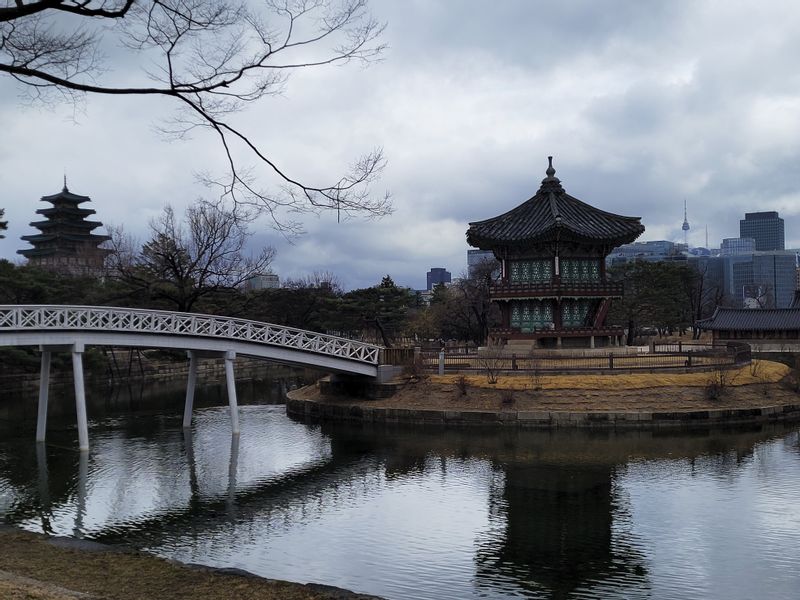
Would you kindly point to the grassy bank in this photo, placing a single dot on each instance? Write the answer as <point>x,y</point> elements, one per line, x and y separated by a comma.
<point>34,567</point>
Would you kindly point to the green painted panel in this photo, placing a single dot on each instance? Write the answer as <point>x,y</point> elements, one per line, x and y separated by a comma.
<point>531,271</point>
<point>580,269</point>
<point>574,312</point>
<point>528,315</point>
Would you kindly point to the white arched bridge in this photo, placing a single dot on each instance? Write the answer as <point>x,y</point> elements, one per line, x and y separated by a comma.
<point>72,328</point>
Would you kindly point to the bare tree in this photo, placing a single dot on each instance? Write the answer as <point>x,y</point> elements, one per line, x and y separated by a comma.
<point>324,280</point>
<point>212,58</point>
<point>180,264</point>
<point>3,224</point>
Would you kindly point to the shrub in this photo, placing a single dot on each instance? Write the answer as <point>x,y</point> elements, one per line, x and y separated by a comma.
<point>462,385</point>
<point>719,382</point>
<point>492,360</point>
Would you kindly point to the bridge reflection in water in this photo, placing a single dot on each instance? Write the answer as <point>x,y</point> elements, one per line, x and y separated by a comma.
<point>396,512</point>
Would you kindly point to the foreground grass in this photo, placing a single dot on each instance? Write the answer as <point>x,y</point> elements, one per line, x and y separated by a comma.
<point>761,371</point>
<point>34,569</point>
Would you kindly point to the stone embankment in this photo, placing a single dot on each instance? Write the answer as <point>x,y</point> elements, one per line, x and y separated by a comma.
<point>126,368</point>
<point>755,393</point>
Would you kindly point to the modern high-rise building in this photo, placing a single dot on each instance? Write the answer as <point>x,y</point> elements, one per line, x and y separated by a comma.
<point>766,228</point>
<point>652,251</point>
<point>267,281</point>
<point>438,275</point>
<point>734,246</point>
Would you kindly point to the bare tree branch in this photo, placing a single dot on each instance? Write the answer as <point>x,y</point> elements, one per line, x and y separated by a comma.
<point>182,263</point>
<point>213,57</point>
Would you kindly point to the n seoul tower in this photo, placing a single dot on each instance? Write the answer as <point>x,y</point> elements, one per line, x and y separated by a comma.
<point>685,226</point>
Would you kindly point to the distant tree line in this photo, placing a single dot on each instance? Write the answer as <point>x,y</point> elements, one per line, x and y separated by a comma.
<point>199,263</point>
<point>663,297</point>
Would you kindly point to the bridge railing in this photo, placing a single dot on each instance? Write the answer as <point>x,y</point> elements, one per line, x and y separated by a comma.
<point>106,318</point>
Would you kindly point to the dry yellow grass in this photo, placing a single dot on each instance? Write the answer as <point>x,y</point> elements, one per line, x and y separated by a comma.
<point>761,371</point>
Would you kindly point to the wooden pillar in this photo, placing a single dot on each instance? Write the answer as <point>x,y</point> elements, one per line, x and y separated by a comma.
<point>591,341</point>
<point>44,385</point>
<point>190,385</point>
<point>557,321</point>
<point>229,358</point>
<point>80,397</point>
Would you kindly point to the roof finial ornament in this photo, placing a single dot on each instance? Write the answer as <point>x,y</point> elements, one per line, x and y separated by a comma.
<point>65,189</point>
<point>550,170</point>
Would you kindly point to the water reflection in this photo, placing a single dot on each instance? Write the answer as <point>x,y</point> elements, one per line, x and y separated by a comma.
<point>427,513</point>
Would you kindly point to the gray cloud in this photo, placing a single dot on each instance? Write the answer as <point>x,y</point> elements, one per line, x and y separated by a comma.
<point>643,104</point>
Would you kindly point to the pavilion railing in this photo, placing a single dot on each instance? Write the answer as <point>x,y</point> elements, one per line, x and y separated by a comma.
<point>557,287</point>
<point>22,318</point>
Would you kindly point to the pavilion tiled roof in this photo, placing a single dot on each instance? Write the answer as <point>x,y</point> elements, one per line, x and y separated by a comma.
<point>66,195</point>
<point>752,319</point>
<point>553,214</point>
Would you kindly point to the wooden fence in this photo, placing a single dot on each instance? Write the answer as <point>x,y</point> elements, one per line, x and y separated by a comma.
<point>694,357</point>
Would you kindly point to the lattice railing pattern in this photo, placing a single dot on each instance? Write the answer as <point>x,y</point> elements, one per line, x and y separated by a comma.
<point>132,320</point>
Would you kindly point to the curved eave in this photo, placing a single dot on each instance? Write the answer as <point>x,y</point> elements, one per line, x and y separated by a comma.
<point>70,211</point>
<point>549,216</point>
<point>76,224</point>
<point>554,233</point>
<point>47,237</point>
<point>66,196</point>
<point>37,252</point>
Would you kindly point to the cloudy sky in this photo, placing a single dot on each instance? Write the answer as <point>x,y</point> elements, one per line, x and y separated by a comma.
<point>643,104</point>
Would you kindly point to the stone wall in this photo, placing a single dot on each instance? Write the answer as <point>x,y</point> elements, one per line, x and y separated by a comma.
<point>153,370</point>
<point>325,411</point>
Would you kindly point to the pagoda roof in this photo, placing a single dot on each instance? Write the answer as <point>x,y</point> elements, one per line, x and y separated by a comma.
<point>72,211</point>
<point>552,214</point>
<point>72,237</point>
<point>66,196</point>
<point>31,252</point>
<point>54,250</point>
<point>81,224</point>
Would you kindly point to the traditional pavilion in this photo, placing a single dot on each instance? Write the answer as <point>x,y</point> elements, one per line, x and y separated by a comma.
<point>66,243</point>
<point>553,290</point>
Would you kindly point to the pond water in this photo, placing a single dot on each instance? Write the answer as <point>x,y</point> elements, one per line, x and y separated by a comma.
<point>415,513</point>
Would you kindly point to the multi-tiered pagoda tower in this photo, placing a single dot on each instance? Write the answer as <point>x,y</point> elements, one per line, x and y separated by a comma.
<point>66,243</point>
<point>553,290</point>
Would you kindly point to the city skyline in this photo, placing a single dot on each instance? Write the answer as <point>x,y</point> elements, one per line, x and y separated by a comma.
<point>467,116</point>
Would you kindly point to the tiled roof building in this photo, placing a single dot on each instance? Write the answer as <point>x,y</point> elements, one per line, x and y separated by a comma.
<point>753,324</point>
<point>552,248</point>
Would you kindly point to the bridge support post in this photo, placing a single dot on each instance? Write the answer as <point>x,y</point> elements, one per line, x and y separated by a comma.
<point>44,391</point>
<point>80,397</point>
<point>229,358</point>
<point>190,384</point>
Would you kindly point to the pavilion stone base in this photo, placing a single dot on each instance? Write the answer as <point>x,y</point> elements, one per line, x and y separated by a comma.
<point>521,344</point>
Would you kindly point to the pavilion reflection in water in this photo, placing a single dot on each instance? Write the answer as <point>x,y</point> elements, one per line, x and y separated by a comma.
<point>558,516</point>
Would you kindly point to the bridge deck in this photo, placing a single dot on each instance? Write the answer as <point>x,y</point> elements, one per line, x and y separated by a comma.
<point>31,325</point>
